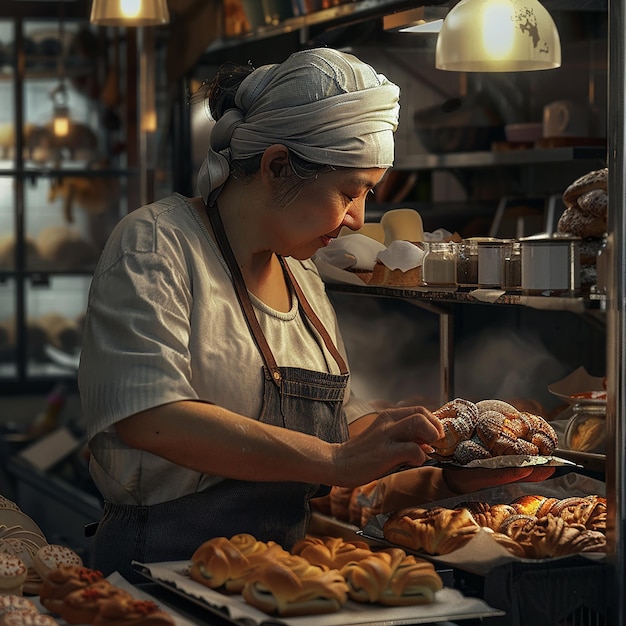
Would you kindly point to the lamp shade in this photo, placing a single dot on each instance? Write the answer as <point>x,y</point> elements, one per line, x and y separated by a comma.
<point>498,36</point>
<point>129,12</point>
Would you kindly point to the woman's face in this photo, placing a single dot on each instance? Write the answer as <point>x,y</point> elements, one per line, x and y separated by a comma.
<point>323,206</point>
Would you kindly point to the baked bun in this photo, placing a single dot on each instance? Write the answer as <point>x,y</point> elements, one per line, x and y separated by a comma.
<point>225,563</point>
<point>434,531</point>
<point>82,606</point>
<point>458,418</point>
<point>13,572</point>
<point>63,580</point>
<point>27,618</point>
<point>291,586</point>
<point>50,556</point>
<point>392,578</point>
<point>596,179</point>
<point>331,552</point>
<point>122,611</point>
<point>575,222</point>
<point>10,603</point>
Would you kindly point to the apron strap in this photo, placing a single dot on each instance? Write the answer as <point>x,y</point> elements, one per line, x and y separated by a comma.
<point>242,294</point>
<point>314,319</point>
<point>248,310</point>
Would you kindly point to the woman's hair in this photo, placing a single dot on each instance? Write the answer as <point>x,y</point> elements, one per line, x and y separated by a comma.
<point>221,97</point>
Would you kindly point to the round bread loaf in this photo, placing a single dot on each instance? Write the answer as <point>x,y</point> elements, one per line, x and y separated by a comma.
<point>596,179</point>
<point>594,202</point>
<point>574,221</point>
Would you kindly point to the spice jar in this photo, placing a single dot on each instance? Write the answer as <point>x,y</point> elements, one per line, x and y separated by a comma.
<point>586,429</point>
<point>512,267</point>
<point>467,263</point>
<point>490,261</point>
<point>439,265</point>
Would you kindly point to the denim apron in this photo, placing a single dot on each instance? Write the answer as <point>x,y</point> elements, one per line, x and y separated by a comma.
<point>298,399</point>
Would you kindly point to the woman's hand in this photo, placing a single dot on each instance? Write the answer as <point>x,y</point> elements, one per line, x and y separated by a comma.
<point>395,438</point>
<point>461,481</point>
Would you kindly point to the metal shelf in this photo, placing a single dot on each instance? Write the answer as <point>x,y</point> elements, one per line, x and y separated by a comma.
<point>480,159</point>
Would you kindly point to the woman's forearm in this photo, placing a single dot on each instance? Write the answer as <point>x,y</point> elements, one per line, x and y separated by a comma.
<point>213,440</point>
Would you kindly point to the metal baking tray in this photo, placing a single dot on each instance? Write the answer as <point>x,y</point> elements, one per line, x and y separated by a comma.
<point>449,604</point>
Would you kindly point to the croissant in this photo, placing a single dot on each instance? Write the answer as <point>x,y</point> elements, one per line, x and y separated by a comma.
<point>434,531</point>
<point>393,578</point>
<point>331,552</point>
<point>291,586</point>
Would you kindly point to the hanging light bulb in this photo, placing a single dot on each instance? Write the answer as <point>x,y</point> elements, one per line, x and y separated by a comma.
<point>129,12</point>
<point>498,36</point>
<point>61,112</point>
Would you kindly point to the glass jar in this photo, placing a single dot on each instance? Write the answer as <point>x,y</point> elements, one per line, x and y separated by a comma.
<point>586,429</point>
<point>512,267</point>
<point>490,261</point>
<point>439,265</point>
<point>467,263</point>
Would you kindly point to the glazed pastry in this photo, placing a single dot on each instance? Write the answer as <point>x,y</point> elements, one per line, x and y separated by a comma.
<point>392,578</point>
<point>291,586</point>
<point>434,531</point>
<point>331,552</point>
<point>225,563</point>
<point>63,580</point>
<point>82,606</point>
<point>121,611</point>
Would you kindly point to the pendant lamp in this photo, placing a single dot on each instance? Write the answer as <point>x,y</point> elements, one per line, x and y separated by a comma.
<point>129,12</point>
<point>498,36</point>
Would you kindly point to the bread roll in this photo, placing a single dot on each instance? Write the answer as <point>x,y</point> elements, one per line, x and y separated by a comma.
<point>82,606</point>
<point>63,580</point>
<point>13,572</point>
<point>434,531</point>
<point>121,611</point>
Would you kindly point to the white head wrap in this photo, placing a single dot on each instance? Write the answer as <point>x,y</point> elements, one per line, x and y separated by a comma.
<point>326,106</point>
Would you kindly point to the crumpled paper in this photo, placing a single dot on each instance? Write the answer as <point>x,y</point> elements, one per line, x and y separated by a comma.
<point>353,251</point>
<point>401,255</point>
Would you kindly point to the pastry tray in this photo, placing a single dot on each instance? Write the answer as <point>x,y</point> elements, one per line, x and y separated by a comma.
<point>449,604</point>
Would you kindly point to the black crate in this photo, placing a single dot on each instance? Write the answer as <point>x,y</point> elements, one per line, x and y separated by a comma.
<point>560,592</point>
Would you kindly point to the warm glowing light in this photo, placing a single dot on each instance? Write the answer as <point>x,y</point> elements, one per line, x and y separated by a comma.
<point>149,121</point>
<point>61,125</point>
<point>130,8</point>
<point>498,36</point>
<point>497,30</point>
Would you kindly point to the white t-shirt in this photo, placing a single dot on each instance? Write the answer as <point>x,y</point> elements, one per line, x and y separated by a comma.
<point>163,324</point>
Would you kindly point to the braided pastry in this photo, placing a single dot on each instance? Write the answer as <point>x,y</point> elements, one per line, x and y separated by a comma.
<point>290,586</point>
<point>222,562</point>
<point>589,511</point>
<point>458,418</point>
<point>434,531</point>
<point>551,536</point>
<point>331,552</point>
<point>490,428</point>
<point>392,578</point>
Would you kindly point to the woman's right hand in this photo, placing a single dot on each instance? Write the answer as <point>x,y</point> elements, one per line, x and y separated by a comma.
<point>396,438</point>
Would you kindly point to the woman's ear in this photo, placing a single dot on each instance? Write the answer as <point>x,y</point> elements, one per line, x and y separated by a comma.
<point>275,162</point>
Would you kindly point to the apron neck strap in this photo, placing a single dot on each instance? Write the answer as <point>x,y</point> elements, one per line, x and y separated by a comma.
<point>248,310</point>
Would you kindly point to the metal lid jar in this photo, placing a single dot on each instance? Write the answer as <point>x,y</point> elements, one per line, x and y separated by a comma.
<point>550,265</point>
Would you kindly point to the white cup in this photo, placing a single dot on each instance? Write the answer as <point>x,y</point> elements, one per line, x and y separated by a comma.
<point>565,118</point>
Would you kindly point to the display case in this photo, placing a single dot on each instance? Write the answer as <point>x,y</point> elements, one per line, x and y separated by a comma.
<point>64,184</point>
